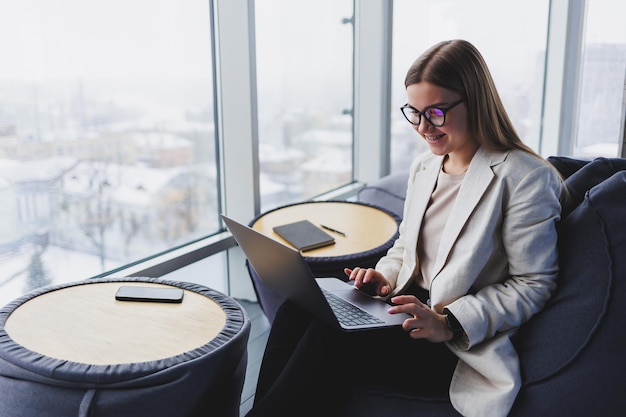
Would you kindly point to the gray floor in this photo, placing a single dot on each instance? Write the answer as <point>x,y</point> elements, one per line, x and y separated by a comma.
<point>256,345</point>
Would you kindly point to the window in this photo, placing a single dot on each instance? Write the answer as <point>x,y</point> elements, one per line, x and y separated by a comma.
<point>511,36</point>
<point>304,78</point>
<point>603,77</point>
<point>107,133</point>
<point>107,137</point>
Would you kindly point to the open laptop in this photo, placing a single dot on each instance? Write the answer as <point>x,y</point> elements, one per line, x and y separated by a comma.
<point>285,271</point>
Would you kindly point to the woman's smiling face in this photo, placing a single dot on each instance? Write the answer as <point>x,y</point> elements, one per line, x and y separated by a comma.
<point>453,137</point>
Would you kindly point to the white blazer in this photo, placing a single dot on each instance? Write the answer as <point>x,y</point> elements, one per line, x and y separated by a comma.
<point>496,265</point>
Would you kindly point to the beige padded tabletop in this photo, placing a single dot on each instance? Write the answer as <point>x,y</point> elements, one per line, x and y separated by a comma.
<point>365,227</point>
<point>86,324</point>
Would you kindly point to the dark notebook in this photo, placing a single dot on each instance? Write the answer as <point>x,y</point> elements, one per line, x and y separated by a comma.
<point>304,235</point>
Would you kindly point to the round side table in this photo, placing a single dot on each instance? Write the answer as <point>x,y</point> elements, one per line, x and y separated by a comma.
<point>74,350</point>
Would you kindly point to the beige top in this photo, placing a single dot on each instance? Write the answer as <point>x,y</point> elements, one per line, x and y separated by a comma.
<point>86,324</point>
<point>435,218</point>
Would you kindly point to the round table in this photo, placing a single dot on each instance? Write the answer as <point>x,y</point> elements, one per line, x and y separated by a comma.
<point>79,351</point>
<point>364,227</point>
<point>367,232</point>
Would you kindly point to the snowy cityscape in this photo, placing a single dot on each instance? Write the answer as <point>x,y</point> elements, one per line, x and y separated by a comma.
<point>102,165</point>
<point>83,203</point>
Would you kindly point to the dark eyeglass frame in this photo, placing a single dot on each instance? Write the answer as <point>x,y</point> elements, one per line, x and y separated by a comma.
<point>443,110</point>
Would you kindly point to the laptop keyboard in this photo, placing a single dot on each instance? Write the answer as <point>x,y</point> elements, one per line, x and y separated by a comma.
<point>349,315</point>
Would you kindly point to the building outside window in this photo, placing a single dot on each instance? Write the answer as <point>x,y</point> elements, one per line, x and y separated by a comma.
<point>304,78</point>
<point>602,81</point>
<point>107,136</point>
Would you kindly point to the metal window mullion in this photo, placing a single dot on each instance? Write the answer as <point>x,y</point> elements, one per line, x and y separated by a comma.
<point>237,118</point>
<point>372,80</point>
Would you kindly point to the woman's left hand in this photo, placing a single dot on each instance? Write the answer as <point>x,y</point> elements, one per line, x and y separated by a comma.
<point>425,324</point>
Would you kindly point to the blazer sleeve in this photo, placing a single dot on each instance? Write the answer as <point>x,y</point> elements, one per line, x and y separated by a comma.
<point>529,238</point>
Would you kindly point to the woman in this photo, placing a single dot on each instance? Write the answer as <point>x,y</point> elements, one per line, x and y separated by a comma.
<point>475,258</point>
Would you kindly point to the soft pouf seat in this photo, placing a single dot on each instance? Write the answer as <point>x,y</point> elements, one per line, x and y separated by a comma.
<point>201,382</point>
<point>572,352</point>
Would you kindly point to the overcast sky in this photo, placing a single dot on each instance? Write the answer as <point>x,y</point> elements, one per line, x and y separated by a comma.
<point>108,38</point>
<point>131,37</point>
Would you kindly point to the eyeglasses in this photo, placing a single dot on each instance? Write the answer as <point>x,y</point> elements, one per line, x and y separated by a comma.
<point>436,116</point>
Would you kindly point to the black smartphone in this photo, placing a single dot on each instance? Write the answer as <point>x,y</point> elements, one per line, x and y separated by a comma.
<point>149,294</point>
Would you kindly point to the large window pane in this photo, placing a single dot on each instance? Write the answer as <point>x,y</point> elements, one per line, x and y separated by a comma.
<point>511,37</point>
<point>600,107</point>
<point>106,135</point>
<point>211,272</point>
<point>304,77</point>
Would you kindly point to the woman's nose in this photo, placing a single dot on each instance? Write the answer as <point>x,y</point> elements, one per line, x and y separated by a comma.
<point>424,127</point>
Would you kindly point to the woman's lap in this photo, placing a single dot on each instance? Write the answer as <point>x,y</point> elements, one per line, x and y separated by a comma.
<point>308,364</point>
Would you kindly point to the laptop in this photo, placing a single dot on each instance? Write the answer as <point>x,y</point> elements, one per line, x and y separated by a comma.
<point>285,271</point>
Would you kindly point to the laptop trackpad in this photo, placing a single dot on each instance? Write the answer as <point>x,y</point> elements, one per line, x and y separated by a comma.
<point>374,306</point>
<point>361,299</point>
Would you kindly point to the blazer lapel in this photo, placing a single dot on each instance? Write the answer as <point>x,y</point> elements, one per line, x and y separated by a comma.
<point>478,177</point>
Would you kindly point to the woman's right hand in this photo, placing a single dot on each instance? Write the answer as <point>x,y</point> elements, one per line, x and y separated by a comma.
<point>369,280</point>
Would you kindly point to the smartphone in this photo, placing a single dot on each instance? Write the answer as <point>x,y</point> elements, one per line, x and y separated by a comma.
<point>149,294</point>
